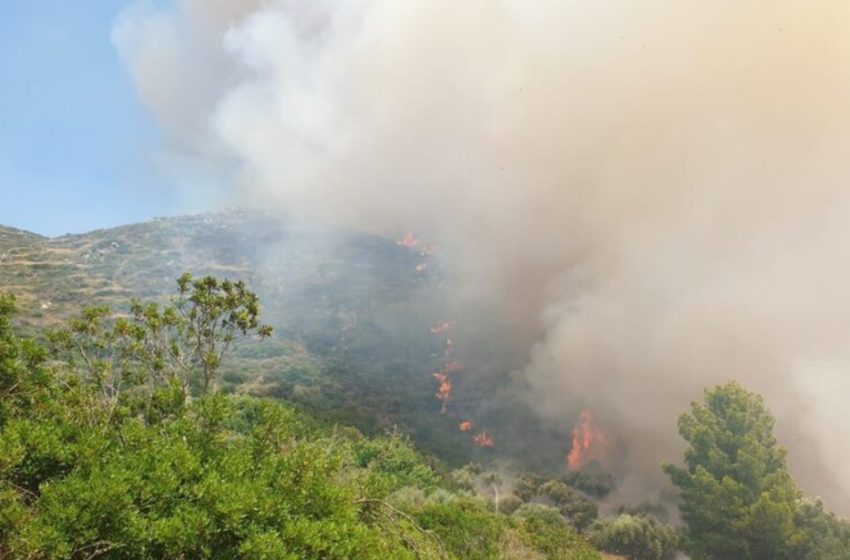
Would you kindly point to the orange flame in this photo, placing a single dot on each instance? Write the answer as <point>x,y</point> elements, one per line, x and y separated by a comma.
<point>588,442</point>
<point>466,426</point>
<point>443,327</point>
<point>444,392</point>
<point>450,348</point>
<point>453,366</point>
<point>421,267</point>
<point>484,439</point>
<point>409,240</point>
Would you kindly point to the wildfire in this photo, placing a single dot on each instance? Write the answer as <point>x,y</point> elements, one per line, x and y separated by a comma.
<point>484,439</point>
<point>409,240</point>
<point>453,366</point>
<point>444,392</point>
<point>443,327</point>
<point>429,251</point>
<point>421,267</point>
<point>450,348</point>
<point>466,426</point>
<point>588,442</point>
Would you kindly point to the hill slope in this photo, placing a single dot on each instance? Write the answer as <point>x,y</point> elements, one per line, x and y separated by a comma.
<point>351,311</point>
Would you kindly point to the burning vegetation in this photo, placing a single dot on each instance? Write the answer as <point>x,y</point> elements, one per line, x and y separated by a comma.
<point>444,391</point>
<point>589,442</point>
<point>484,439</point>
<point>409,240</point>
<point>443,327</point>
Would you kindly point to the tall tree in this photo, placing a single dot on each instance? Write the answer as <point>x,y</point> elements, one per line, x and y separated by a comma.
<point>738,497</point>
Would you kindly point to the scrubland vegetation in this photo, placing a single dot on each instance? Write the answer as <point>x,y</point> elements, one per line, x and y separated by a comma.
<point>117,442</point>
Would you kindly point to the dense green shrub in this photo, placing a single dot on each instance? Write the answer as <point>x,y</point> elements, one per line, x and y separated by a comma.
<point>577,509</point>
<point>635,537</point>
<point>544,529</point>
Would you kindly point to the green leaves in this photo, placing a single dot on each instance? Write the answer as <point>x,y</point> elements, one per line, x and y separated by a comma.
<point>181,344</point>
<point>738,498</point>
<point>635,537</point>
<point>210,483</point>
<point>23,376</point>
<point>104,454</point>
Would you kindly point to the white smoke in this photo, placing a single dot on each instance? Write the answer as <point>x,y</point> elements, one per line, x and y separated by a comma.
<point>655,192</point>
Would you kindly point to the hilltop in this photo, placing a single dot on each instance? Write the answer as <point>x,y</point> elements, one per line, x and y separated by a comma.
<point>285,263</point>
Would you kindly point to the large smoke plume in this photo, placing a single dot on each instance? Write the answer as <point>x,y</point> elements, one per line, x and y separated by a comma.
<point>656,193</point>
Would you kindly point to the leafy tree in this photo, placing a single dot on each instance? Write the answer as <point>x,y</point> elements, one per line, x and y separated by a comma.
<point>174,345</point>
<point>738,498</point>
<point>824,536</point>
<point>393,463</point>
<point>527,485</point>
<point>592,481</point>
<point>658,510</point>
<point>579,511</point>
<point>466,478</point>
<point>545,530</point>
<point>469,530</point>
<point>509,504</point>
<point>635,537</point>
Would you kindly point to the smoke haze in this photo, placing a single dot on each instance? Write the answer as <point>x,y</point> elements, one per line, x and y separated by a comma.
<point>656,194</point>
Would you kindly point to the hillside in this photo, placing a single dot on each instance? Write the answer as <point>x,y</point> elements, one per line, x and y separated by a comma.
<point>297,270</point>
<point>352,315</point>
<point>150,472</point>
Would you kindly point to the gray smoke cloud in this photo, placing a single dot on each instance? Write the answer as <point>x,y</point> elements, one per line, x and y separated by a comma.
<point>656,193</point>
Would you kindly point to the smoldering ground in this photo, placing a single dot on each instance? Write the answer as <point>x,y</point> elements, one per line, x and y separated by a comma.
<point>655,194</point>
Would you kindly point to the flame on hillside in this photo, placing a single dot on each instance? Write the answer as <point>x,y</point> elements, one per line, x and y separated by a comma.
<point>444,392</point>
<point>484,439</point>
<point>409,240</point>
<point>443,327</point>
<point>589,442</point>
<point>466,426</point>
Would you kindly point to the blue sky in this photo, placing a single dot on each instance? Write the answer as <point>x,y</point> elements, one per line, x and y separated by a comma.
<point>75,143</point>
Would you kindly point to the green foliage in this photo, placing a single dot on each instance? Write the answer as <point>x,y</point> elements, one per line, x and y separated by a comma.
<point>823,536</point>
<point>22,373</point>
<point>541,513</point>
<point>175,345</point>
<point>635,537</point>
<point>658,510</point>
<point>393,464</point>
<point>545,530</point>
<point>527,485</point>
<point>104,455</point>
<point>594,482</point>
<point>187,487</point>
<point>509,504</point>
<point>469,529</point>
<point>578,510</point>
<point>738,498</point>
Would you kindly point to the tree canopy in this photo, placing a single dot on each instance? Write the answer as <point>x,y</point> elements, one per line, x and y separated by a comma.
<point>738,498</point>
